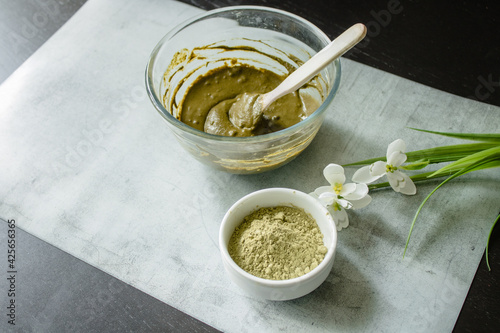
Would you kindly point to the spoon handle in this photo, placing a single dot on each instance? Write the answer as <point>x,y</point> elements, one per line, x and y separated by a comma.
<point>313,66</point>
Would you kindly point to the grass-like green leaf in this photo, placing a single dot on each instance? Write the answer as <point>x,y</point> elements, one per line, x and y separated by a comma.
<point>491,137</point>
<point>436,155</point>
<point>488,242</point>
<point>449,153</point>
<point>464,158</point>
<point>432,174</point>
<point>420,164</point>
<point>488,155</point>
<point>453,176</point>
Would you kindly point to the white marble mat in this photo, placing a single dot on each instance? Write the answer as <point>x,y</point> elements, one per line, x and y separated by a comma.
<point>89,166</point>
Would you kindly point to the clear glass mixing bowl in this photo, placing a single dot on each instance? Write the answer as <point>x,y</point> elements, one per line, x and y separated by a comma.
<point>259,36</point>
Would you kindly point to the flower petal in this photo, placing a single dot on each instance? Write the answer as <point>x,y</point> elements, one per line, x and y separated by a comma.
<point>334,174</point>
<point>327,198</point>
<point>344,203</point>
<point>323,189</point>
<point>401,182</point>
<point>409,188</point>
<point>347,189</point>
<point>397,145</point>
<point>357,204</point>
<point>395,181</point>
<point>364,176</point>
<point>341,219</point>
<point>328,195</point>
<point>396,158</point>
<point>360,191</point>
<point>314,195</point>
<point>378,169</point>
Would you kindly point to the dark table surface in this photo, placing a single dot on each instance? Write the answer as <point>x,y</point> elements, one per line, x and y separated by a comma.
<point>453,46</point>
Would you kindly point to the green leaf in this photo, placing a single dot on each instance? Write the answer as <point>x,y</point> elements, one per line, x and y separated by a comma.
<point>488,155</point>
<point>488,165</point>
<point>480,165</point>
<point>453,176</point>
<point>437,154</point>
<point>420,164</point>
<point>448,153</point>
<point>491,137</point>
<point>488,242</point>
<point>432,175</point>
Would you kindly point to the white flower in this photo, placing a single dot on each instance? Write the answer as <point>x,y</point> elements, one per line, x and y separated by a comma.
<point>338,197</point>
<point>399,181</point>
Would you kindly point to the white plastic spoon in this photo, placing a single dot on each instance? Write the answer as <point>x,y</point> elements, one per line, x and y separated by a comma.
<point>313,66</point>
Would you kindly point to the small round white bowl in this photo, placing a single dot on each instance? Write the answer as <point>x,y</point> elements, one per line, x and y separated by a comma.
<point>278,290</point>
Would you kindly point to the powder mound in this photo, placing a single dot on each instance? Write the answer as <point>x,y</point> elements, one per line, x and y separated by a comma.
<point>277,243</point>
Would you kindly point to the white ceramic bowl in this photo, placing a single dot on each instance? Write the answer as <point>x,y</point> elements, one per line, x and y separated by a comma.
<point>278,290</point>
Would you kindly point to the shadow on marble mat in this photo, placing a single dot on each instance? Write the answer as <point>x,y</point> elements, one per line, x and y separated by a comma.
<point>345,301</point>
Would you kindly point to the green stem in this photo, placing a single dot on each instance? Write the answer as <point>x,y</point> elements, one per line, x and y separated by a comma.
<point>494,137</point>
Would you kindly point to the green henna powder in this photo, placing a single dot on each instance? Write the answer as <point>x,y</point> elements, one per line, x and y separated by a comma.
<point>277,243</point>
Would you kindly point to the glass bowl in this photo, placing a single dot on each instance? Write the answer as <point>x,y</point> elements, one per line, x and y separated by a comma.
<point>278,290</point>
<point>259,36</point>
